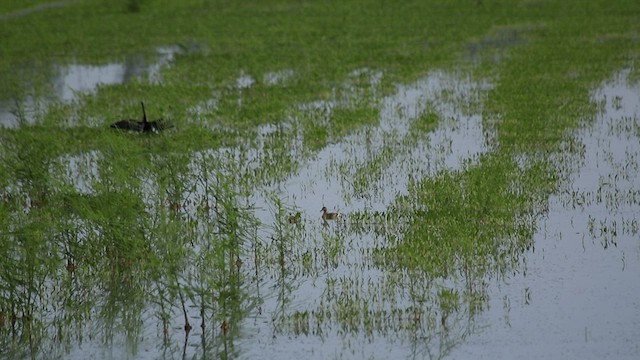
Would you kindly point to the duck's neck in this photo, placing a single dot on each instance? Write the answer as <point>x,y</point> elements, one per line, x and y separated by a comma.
<point>144,113</point>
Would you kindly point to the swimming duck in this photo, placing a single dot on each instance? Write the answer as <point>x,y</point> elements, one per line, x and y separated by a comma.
<point>329,216</point>
<point>294,219</point>
<point>141,126</point>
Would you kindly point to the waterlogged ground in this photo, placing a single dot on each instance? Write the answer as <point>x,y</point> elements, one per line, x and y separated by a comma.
<point>486,176</point>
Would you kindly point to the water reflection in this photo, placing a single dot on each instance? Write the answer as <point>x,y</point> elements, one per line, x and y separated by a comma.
<point>72,80</point>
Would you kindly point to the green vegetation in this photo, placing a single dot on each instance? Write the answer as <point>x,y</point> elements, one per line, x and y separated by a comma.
<point>105,235</point>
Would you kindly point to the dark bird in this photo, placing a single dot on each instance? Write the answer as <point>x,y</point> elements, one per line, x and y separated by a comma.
<point>141,126</point>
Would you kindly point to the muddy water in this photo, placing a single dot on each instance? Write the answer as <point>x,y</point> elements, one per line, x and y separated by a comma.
<point>579,296</point>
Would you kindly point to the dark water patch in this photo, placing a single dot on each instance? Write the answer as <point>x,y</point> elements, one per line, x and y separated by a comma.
<point>493,46</point>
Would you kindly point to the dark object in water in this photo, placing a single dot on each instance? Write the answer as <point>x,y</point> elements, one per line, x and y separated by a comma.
<point>141,126</point>
<point>295,219</point>
<point>329,216</point>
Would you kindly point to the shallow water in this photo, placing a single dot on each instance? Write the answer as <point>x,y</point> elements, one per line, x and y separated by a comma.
<point>324,180</point>
<point>71,81</point>
<point>578,298</point>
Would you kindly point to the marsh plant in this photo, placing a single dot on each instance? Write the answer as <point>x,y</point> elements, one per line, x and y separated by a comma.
<point>136,244</point>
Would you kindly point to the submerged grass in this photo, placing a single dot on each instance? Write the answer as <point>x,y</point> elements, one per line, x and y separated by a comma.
<point>462,220</point>
<point>102,230</point>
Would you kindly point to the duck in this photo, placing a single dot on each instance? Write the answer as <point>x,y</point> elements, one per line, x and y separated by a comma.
<point>294,218</point>
<point>329,215</point>
<point>141,126</point>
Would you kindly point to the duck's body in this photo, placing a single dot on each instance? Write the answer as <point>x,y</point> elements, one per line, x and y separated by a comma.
<point>130,125</point>
<point>326,215</point>
<point>294,219</point>
<point>141,126</point>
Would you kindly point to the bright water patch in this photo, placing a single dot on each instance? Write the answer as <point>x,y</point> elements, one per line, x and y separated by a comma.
<point>244,81</point>
<point>80,171</point>
<point>278,77</point>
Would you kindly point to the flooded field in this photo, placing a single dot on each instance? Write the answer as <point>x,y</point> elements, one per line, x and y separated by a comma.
<point>327,188</point>
<point>577,292</point>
